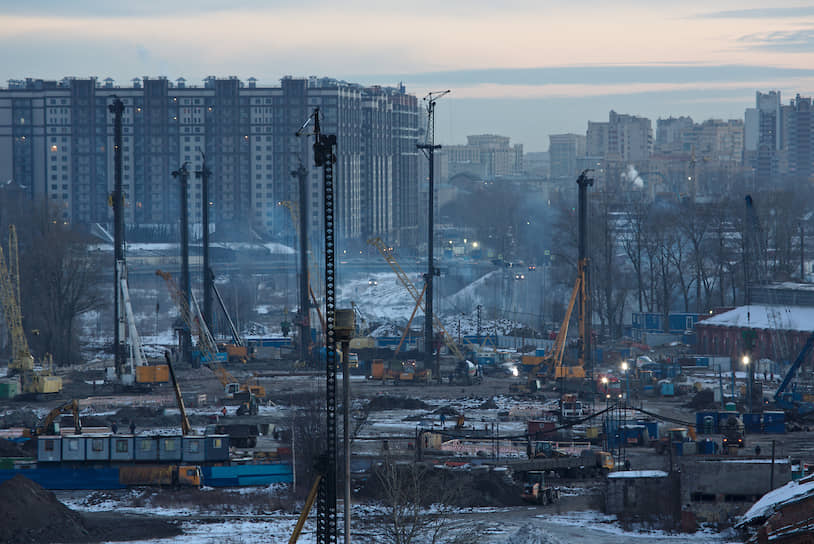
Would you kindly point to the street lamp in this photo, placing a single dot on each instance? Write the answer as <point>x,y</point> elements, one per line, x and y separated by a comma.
<point>625,367</point>
<point>746,362</point>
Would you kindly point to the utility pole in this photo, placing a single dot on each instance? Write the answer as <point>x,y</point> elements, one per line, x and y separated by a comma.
<point>429,151</point>
<point>208,277</point>
<point>182,174</point>
<point>304,317</point>
<point>119,347</point>
<point>585,355</point>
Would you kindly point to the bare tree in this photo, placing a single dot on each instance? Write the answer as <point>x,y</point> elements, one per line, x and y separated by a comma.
<point>407,489</point>
<point>59,282</point>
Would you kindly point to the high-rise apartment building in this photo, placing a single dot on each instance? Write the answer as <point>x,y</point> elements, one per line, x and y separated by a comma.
<point>630,138</point>
<point>764,135</point>
<point>485,155</point>
<point>564,150</point>
<point>56,139</point>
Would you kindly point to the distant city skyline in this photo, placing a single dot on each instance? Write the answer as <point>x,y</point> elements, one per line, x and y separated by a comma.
<point>524,69</point>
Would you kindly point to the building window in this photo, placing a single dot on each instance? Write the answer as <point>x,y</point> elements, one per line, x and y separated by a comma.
<point>97,444</point>
<point>49,445</point>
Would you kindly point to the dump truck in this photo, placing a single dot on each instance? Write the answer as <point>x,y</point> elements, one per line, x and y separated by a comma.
<point>535,489</point>
<point>587,464</point>
<point>161,475</point>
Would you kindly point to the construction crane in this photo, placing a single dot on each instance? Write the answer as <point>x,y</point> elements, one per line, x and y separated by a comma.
<point>136,356</point>
<point>22,362</point>
<point>551,365</point>
<point>237,350</point>
<point>21,358</point>
<point>417,296</point>
<point>186,428</point>
<point>192,317</point>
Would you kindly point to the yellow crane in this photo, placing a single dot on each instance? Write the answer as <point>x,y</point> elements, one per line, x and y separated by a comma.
<point>417,296</point>
<point>21,359</point>
<point>22,362</point>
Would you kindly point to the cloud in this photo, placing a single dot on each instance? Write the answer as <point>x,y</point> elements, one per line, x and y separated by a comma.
<point>676,74</point>
<point>760,13</point>
<point>794,41</point>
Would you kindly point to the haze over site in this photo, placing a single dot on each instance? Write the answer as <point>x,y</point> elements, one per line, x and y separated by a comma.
<point>523,68</point>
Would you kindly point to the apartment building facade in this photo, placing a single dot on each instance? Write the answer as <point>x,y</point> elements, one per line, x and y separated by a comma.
<point>56,139</point>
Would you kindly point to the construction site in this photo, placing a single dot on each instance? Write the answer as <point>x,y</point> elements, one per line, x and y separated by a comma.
<point>383,410</point>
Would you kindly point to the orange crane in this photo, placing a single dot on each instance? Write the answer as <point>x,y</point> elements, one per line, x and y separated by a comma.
<point>411,288</point>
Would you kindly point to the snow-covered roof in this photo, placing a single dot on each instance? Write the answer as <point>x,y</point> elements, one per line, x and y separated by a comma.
<point>760,316</point>
<point>768,503</point>
<point>638,474</point>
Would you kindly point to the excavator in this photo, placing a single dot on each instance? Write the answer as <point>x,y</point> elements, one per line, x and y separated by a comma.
<point>47,425</point>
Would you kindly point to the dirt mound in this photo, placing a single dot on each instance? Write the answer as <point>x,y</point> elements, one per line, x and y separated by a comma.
<point>386,402</point>
<point>11,449</point>
<point>20,418</point>
<point>135,413</point>
<point>446,411</point>
<point>488,405</point>
<point>34,515</point>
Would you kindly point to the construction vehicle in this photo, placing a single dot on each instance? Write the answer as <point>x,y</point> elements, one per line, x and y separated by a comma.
<point>733,433</point>
<point>674,436</point>
<point>161,475</point>
<point>795,406</point>
<point>237,351</point>
<point>550,366</point>
<point>535,489</point>
<point>48,424</point>
<point>571,409</point>
<point>387,253</point>
<point>409,373</point>
<point>22,362</point>
<point>466,373</point>
<point>588,463</point>
<point>186,428</point>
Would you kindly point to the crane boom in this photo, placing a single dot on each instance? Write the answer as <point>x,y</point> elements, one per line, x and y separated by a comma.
<point>186,428</point>
<point>411,288</point>
<point>21,359</point>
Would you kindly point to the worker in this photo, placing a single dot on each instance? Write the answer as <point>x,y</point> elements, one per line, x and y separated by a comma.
<point>223,410</point>
<point>132,427</point>
<point>114,428</point>
<point>443,421</point>
<point>757,450</point>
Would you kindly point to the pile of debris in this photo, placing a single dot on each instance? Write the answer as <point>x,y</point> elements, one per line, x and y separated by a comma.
<point>386,402</point>
<point>34,515</point>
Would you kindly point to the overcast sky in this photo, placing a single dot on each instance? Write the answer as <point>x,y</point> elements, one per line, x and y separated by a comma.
<point>521,68</point>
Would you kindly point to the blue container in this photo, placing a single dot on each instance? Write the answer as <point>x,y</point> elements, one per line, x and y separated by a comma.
<point>706,447</point>
<point>774,422</point>
<point>667,390</point>
<point>751,422</point>
<point>539,352</point>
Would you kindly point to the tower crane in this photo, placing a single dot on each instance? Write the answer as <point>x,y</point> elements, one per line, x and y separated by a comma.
<point>21,358</point>
<point>22,362</point>
<point>417,296</point>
